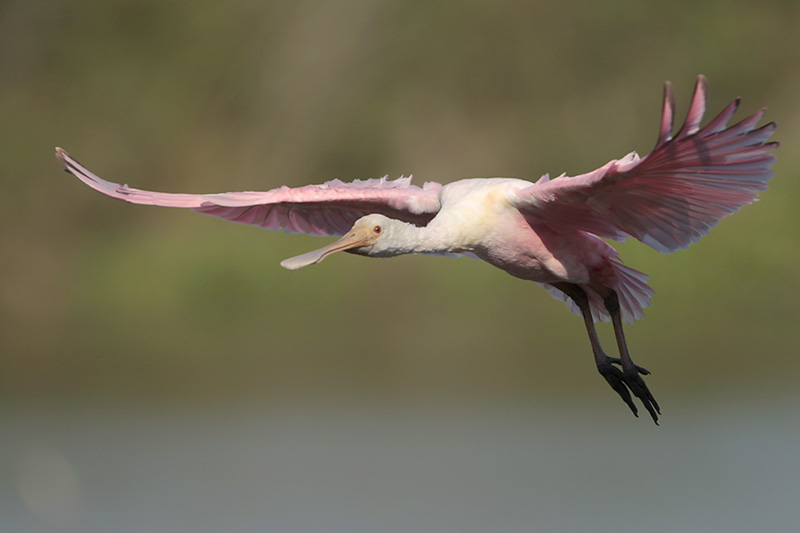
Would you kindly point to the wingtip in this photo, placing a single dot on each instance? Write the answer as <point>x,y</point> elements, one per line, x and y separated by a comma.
<point>700,91</point>
<point>61,155</point>
<point>697,108</point>
<point>701,86</point>
<point>669,90</point>
<point>667,115</point>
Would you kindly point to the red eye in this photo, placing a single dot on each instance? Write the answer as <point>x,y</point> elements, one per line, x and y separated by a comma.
<point>377,229</point>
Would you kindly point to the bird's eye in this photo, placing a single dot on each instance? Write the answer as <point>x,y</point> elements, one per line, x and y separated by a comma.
<point>377,229</point>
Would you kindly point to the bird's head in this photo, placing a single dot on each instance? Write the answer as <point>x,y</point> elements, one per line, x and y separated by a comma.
<point>367,237</point>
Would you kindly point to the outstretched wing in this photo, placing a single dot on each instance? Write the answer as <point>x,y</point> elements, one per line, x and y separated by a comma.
<point>671,197</point>
<point>328,209</point>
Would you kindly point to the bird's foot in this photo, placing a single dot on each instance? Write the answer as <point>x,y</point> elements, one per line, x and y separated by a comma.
<point>617,361</point>
<point>625,382</point>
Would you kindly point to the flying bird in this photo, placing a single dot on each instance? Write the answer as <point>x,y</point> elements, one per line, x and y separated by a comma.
<point>550,231</point>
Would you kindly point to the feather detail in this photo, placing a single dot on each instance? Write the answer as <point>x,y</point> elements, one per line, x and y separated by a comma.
<point>673,196</point>
<point>326,209</point>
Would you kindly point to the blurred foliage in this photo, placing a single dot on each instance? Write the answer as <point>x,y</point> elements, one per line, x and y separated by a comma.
<point>103,298</point>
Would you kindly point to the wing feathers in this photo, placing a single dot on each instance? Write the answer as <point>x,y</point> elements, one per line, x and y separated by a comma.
<point>327,209</point>
<point>667,115</point>
<point>696,109</point>
<point>675,195</point>
<point>721,121</point>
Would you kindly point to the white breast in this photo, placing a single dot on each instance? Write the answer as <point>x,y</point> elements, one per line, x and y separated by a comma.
<point>471,208</point>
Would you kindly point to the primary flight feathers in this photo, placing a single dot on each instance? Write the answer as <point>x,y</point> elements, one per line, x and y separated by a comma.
<point>673,196</point>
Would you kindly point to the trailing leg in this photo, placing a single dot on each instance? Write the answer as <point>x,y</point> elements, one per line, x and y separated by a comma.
<point>630,371</point>
<point>605,365</point>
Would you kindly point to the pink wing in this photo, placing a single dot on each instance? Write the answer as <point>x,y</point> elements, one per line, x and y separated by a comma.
<point>673,196</point>
<point>328,209</point>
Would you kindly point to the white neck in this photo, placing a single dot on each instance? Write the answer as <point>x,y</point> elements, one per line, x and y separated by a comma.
<point>404,238</point>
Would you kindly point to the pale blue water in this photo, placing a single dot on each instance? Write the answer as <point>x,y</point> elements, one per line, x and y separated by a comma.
<point>329,467</point>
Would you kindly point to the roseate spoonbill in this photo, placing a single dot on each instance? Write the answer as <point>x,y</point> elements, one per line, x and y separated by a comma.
<point>549,231</point>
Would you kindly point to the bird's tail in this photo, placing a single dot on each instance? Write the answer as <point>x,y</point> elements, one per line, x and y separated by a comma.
<point>630,285</point>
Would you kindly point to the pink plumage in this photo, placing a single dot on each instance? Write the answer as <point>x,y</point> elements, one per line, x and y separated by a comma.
<point>327,209</point>
<point>548,231</point>
<point>675,195</point>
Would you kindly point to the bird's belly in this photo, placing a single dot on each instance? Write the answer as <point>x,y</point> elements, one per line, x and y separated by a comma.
<point>483,222</point>
<point>529,266</point>
<point>539,255</point>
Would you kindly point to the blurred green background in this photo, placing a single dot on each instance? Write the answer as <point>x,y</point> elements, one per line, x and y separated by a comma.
<point>105,303</point>
<point>104,298</point>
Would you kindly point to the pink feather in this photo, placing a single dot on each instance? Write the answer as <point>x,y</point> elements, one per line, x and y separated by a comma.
<point>672,197</point>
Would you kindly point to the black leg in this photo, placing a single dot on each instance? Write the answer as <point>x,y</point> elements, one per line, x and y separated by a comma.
<point>630,371</point>
<point>622,381</point>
